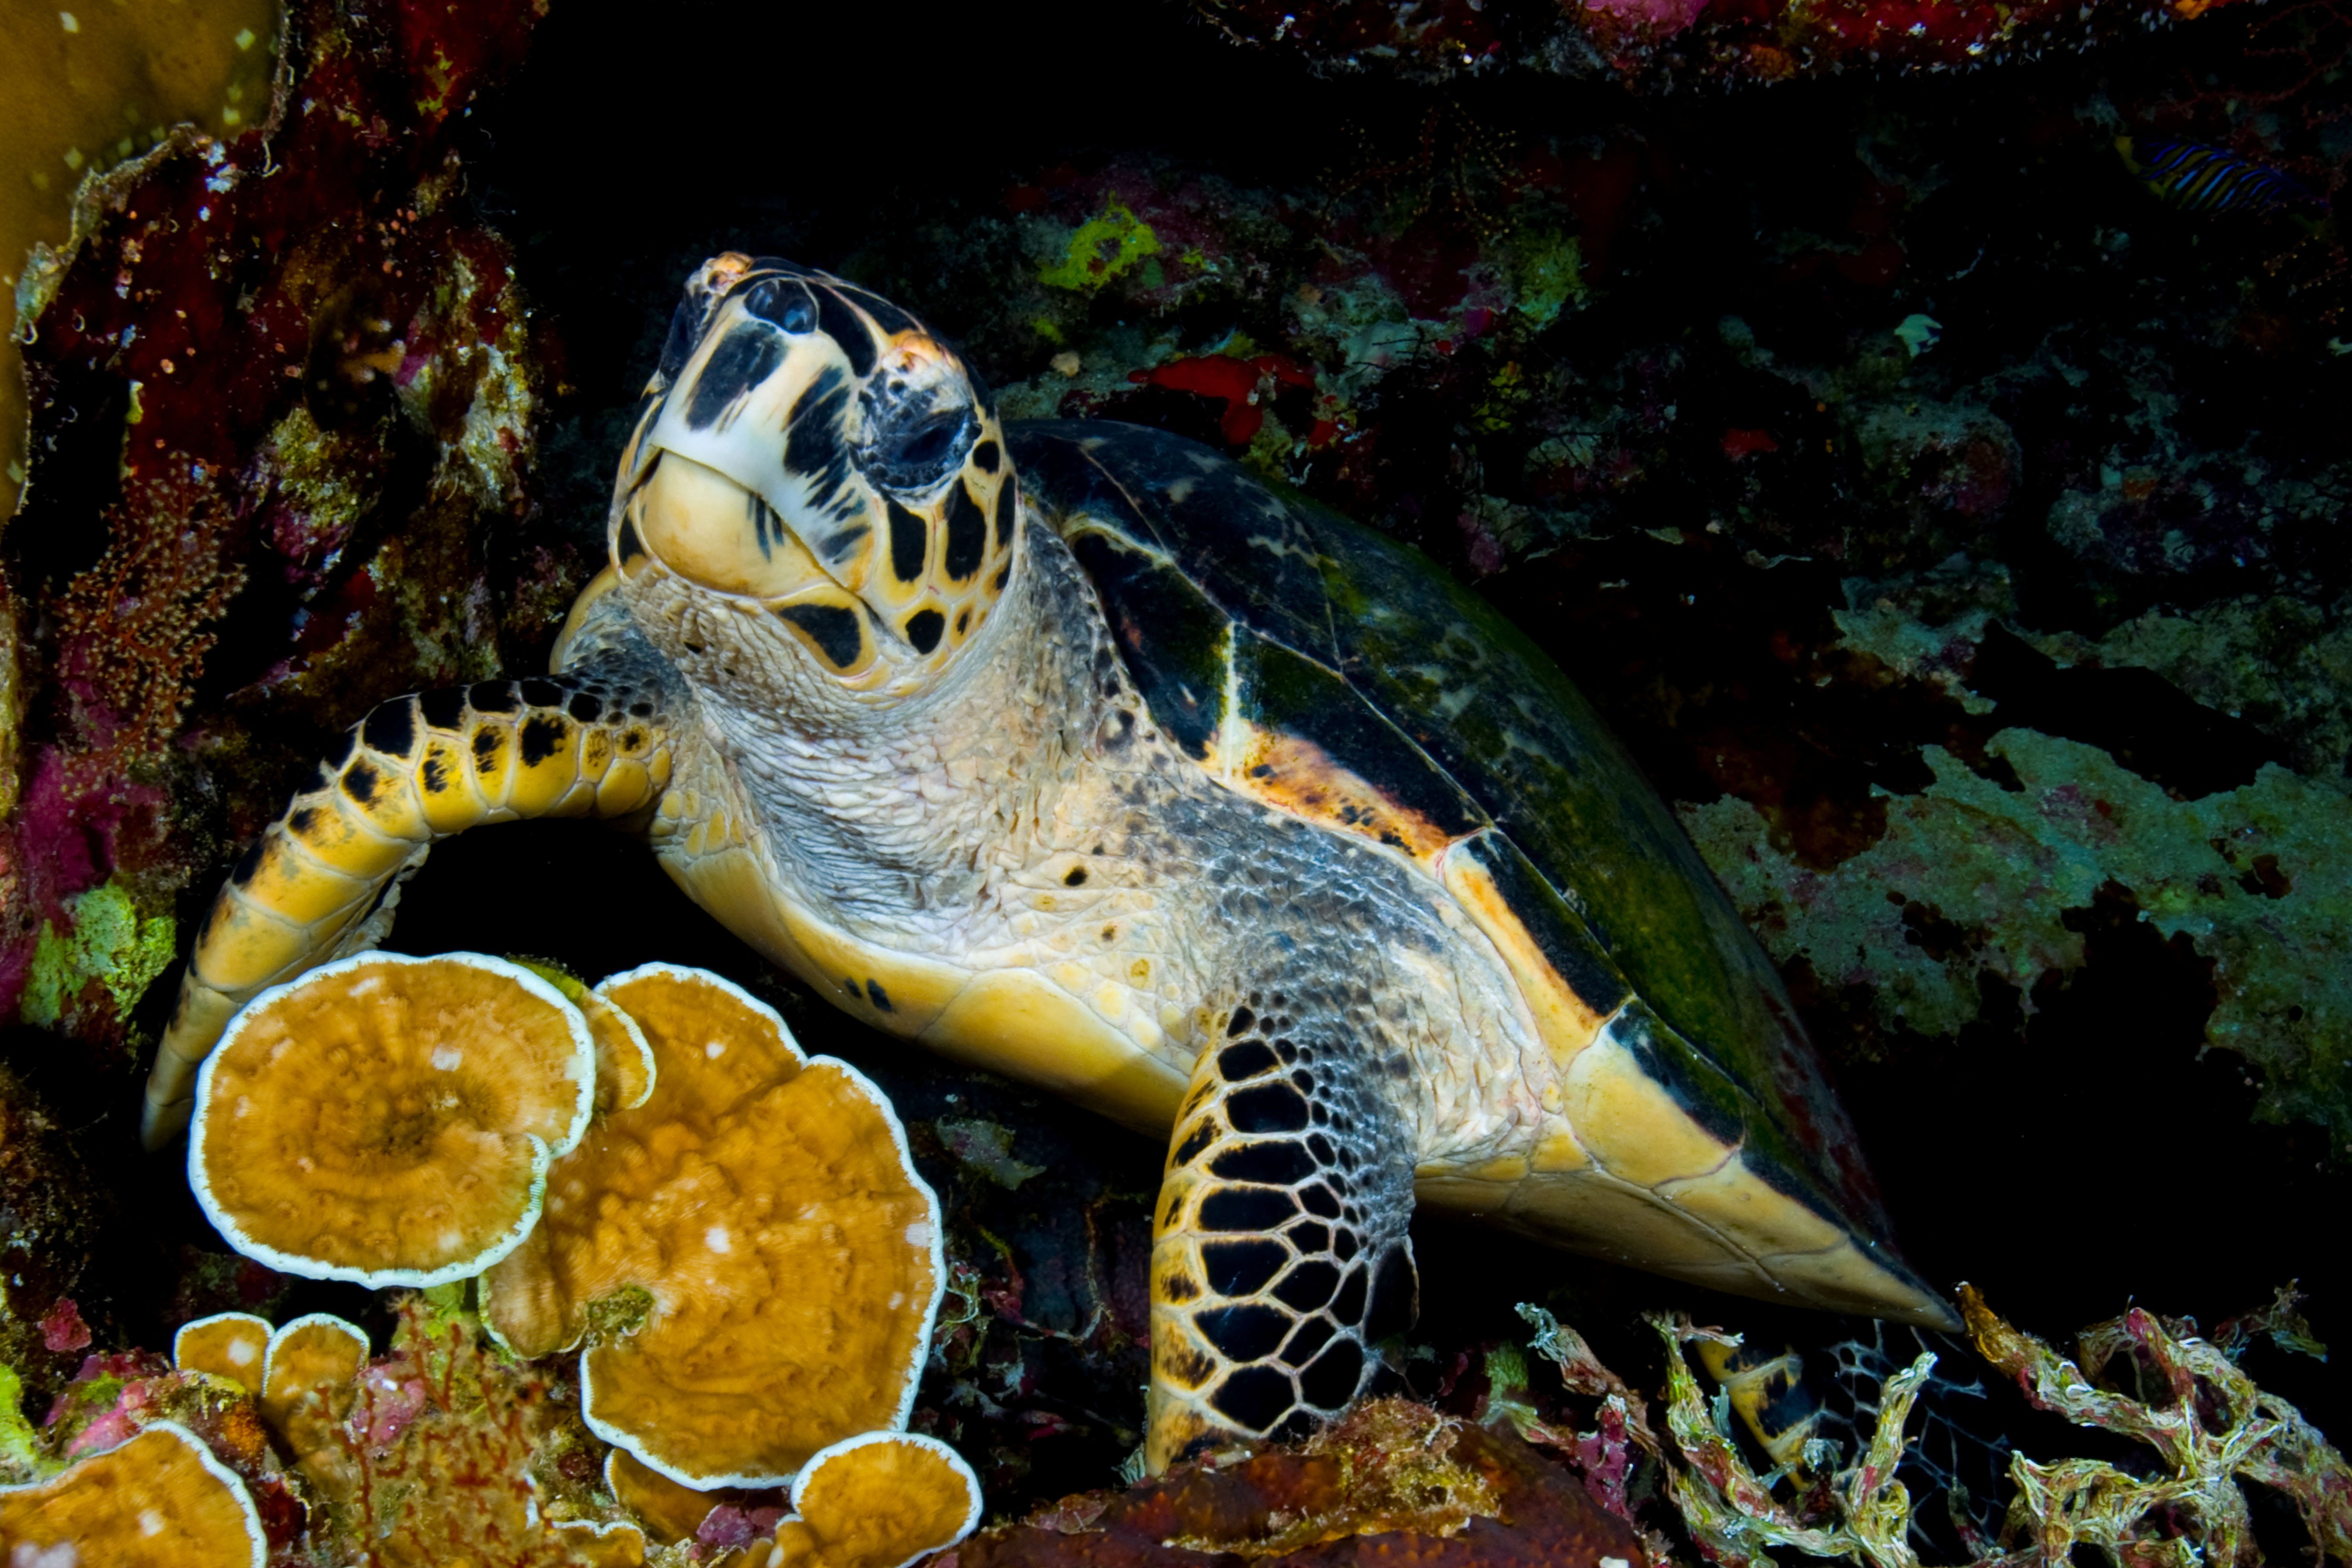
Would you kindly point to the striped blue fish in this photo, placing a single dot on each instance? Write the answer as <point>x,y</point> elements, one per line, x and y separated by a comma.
<point>2202,179</point>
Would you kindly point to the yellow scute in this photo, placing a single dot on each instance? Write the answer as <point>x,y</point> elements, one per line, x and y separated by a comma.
<point>1739,1205</point>
<point>1566,1022</point>
<point>1630,1123</point>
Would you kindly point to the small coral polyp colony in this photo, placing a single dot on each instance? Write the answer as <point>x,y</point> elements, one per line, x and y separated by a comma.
<point>731,1235</point>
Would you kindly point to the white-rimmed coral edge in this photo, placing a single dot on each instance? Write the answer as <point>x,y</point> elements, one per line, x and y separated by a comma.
<point>286,1330</point>
<point>583,1074</point>
<point>179,1337</point>
<point>254,1536</point>
<point>912,1439</point>
<point>912,1374</point>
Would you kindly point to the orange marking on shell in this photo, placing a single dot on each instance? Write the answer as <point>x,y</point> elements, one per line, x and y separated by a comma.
<point>1298,776</point>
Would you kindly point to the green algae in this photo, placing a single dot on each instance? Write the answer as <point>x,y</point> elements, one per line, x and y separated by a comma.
<point>987,1148</point>
<point>2283,664</point>
<point>2254,878</point>
<point>107,940</point>
<point>1546,275</point>
<point>1104,248</point>
<point>21,1460</point>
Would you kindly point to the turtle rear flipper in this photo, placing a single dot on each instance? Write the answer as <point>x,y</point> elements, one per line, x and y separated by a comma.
<point>320,881</point>
<point>1279,1255</point>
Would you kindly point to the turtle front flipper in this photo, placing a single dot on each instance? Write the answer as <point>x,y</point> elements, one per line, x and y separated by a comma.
<point>1280,1256</point>
<point>318,882</point>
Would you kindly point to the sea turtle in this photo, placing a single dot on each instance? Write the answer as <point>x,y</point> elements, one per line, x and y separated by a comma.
<point>1072,749</point>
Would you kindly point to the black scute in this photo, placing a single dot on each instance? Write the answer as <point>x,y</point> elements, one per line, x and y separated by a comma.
<point>1253,556</point>
<point>1173,639</point>
<point>1293,695</point>
<point>1504,725</point>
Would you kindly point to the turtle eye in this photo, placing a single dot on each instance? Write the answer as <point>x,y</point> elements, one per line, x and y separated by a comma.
<point>781,302</point>
<point>912,444</point>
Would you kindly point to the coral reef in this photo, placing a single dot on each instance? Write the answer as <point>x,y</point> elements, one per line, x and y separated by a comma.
<point>228,393</point>
<point>448,1452</point>
<point>750,1255</point>
<point>389,1120</point>
<point>160,1498</point>
<point>1976,883</point>
<point>87,89</point>
<point>1655,43</point>
<point>52,1220</point>
<point>2206,1419</point>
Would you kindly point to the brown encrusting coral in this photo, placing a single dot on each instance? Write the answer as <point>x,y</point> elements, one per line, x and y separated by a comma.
<point>445,1452</point>
<point>750,1253</point>
<point>160,1500</point>
<point>389,1120</point>
<point>1395,1482</point>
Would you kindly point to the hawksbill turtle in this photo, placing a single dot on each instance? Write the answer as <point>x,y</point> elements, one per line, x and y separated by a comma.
<point>1073,751</point>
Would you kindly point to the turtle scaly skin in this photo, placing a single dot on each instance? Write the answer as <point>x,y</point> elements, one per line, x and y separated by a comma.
<point>1072,751</point>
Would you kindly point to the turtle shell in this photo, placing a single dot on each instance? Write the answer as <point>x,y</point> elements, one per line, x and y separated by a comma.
<point>1340,675</point>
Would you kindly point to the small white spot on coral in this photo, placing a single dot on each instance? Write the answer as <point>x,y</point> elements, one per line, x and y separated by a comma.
<point>66,17</point>
<point>451,1240</point>
<point>898,1299</point>
<point>241,1353</point>
<point>447,1057</point>
<point>920,1234</point>
<point>61,1555</point>
<point>714,1050</point>
<point>149,1522</point>
<point>373,983</point>
<point>717,1240</point>
<point>245,38</point>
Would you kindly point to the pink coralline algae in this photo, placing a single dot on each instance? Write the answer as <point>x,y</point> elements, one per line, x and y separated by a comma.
<point>62,1328</point>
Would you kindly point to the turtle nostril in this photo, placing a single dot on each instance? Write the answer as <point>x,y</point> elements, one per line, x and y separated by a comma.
<point>781,302</point>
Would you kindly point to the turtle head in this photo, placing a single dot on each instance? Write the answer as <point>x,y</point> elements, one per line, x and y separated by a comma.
<point>809,450</point>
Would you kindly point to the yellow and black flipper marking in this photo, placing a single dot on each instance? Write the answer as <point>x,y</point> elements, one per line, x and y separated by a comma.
<point>1279,1256</point>
<point>1770,1394</point>
<point>319,880</point>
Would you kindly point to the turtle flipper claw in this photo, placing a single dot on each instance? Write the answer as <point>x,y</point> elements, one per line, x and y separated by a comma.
<point>1280,1256</point>
<point>322,880</point>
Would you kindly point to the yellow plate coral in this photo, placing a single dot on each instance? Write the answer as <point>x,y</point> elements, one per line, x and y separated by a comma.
<point>752,1243</point>
<point>389,1120</point>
